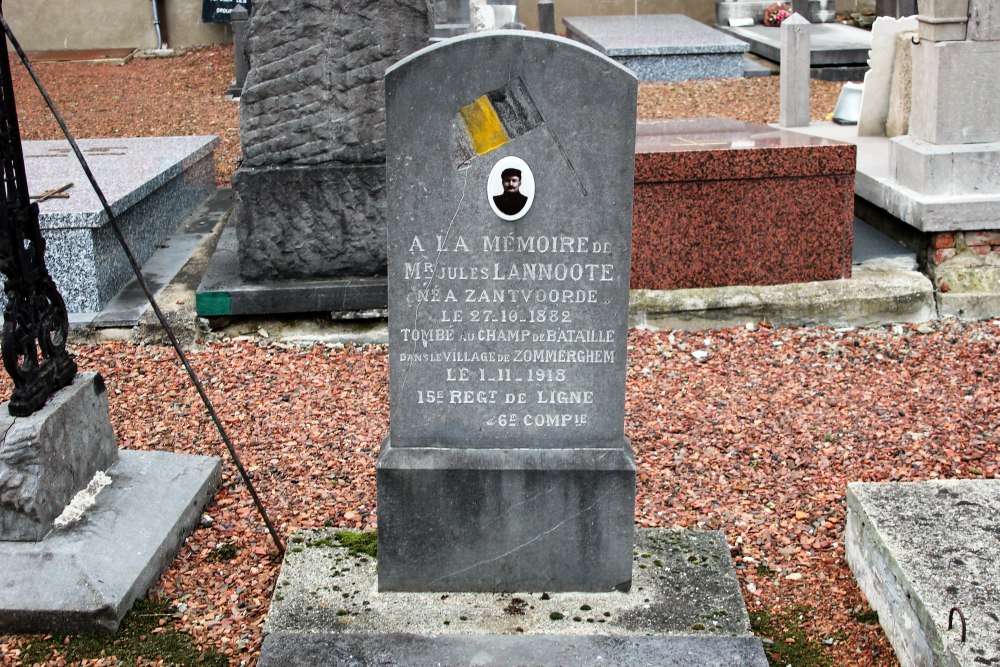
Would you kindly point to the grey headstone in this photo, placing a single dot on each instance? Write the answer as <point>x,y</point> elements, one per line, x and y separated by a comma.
<point>795,71</point>
<point>507,467</point>
<point>46,458</point>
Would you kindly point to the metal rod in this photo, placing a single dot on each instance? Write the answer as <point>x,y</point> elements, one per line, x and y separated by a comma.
<point>961,617</point>
<point>145,288</point>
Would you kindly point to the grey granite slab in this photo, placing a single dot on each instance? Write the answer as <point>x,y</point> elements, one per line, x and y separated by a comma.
<point>127,170</point>
<point>830,43</point>
<point>650,35</point>
<point>151,185</point>
<point>84,576</point>
<point>685,608</point>
<point>919,550</point>
<point>661,47</point>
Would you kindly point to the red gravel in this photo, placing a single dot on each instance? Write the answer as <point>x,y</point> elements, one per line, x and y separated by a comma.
<point>759,439</point>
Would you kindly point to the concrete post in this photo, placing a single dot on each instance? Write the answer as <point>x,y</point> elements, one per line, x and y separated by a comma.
<point>238,22</point>
<point>546,16</point>
<point>795,54</point>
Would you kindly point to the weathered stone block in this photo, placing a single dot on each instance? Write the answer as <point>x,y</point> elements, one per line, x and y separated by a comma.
<point>951,169</point>
<point>46,458</point>
<point>957,102</point>
<point>503,520</point>
<point>314,92</point>
<point>310,222</point>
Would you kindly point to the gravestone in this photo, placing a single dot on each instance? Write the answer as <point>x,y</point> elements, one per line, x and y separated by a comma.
<point>506,465</point>
<point>310,199</point>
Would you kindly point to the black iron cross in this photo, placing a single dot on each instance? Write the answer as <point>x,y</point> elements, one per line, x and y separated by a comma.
<point>35,325</point>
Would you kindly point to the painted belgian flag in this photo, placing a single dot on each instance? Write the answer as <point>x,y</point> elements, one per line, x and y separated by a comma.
<point>491,120</point>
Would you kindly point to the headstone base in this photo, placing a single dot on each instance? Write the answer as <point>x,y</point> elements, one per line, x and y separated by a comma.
<point>47,457</point>
<point>84,576</point>
<point>502,520</point>
<point>685,608</point>
<point>223,293</point>
<point>310,222</point>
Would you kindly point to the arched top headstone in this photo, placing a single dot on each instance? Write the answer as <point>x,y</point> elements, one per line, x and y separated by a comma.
<point>510,160</point>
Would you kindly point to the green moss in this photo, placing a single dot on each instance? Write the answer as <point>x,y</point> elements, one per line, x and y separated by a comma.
<point>698,626</point>
<point>223,551</point>
<point>780,628</point>
<point>358,543</point>
<point>585,607</point>
<point>135,640</point>
<point>556,616</point>
<point>867,616</point>
<point>322,542</point>
<point>763,570</point>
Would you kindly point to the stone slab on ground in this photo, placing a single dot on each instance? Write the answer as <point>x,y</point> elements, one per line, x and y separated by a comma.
<point>661,47</point>
<point>223,292</point>
<point>151,184</point>
<point>48,456</point>
<point>885,287</point>
<point>919,549</point>
<point>831,44</point>
<point>84,576</point>
<point>684,608</point>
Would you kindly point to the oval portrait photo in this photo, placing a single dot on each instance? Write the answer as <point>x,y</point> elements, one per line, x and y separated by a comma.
<point>511,188</point>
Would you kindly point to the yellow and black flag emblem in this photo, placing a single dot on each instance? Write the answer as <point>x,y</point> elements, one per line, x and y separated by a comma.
<point>491,120</point>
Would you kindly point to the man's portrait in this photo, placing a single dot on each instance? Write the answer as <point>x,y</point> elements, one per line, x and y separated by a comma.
<point>511,188</point>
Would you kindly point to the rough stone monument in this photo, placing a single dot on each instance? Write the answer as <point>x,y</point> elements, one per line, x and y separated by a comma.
<point>510,171</point>
<point>310,192</point>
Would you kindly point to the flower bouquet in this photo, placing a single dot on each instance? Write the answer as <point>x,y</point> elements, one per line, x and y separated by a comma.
<point>776,13</point>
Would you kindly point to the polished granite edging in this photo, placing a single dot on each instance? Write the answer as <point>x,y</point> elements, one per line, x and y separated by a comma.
<point>720,202</point>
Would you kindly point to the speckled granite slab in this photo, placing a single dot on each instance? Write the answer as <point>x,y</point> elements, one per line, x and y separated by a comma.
<point>152,184</point>
<point>720,202</point>
<point>661,47</point>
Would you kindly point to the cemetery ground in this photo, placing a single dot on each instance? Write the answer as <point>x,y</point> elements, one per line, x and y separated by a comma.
<point>755,431</point>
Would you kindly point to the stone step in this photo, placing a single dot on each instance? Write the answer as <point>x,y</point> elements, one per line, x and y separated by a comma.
<point>684,608</point>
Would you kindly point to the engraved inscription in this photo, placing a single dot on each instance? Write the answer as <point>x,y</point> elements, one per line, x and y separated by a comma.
<point>501,324</point>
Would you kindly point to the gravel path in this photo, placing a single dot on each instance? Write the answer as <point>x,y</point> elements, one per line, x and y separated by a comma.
<point>758,438</point>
